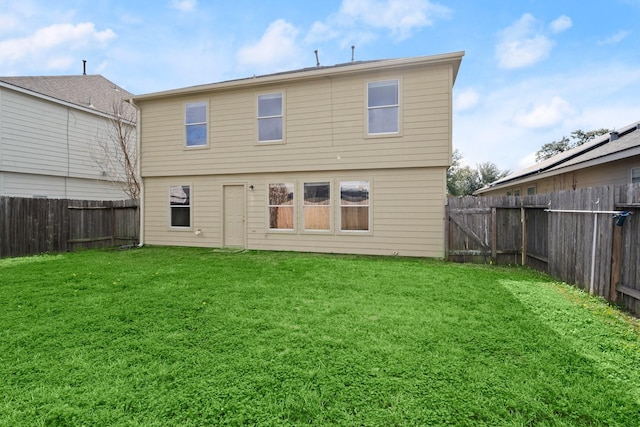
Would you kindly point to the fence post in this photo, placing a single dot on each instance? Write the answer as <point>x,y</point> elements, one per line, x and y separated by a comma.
<point>447,232</point>
<point>616,264</point>
<point>523,223</point>
<point>494,235</point>
<point>113,225</point>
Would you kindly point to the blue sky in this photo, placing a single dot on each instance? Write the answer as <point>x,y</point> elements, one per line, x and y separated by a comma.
<point>533,71</point>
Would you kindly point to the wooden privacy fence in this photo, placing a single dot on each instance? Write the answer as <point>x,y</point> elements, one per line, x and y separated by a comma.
<point>588,237</point>
<point>32,226</point>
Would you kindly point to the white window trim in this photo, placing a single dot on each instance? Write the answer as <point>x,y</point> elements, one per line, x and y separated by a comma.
<point>330,206</point>
<point>631,175</point>
<point>293,206</point>
<point>338,192</point>
<point>179,227</point>
<point>206,123</point>
<point>367,108</point>
<point>258,118</point>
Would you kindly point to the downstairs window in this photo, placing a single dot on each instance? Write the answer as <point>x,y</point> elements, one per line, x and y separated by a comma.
<point>180,205</point>
<point>354,206</point>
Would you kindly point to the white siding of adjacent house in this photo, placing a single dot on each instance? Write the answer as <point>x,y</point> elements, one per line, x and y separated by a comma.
<point>57,187</point>
<point>46,149</point>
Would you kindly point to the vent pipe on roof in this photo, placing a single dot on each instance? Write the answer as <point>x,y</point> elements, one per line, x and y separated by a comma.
<point>84,67</point>
<point>613,135</point>
<point>353,53</point>
<point>317,60</point>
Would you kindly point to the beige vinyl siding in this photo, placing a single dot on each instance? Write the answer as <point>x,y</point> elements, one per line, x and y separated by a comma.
<point>324,128</point>
<point>616,173</point>
<point>407,214</point>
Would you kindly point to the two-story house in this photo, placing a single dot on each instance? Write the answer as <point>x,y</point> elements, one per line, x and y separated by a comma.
<point>349,158</point>
<point>51,128</point>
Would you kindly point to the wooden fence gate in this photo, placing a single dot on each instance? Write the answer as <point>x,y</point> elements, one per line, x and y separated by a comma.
<point>587,237</point>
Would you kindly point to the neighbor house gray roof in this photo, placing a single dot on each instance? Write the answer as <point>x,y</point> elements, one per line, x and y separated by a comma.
<point>88,91</point>
<point>615,145</point>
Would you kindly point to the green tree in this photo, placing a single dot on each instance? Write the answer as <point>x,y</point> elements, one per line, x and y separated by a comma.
<point>463,180</point>
<point>577,138</point>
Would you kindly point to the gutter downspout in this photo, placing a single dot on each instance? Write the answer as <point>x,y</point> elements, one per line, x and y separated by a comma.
<point>139,169</point>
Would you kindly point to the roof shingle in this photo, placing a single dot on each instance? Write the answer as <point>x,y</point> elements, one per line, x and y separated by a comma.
<point>88,91</point>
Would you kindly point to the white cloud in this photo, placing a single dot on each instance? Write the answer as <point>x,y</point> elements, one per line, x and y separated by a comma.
<point>401,17</point>
<point>277,47</point>
<point>358,20</point>
<point>599,97</point>
<point>51,44</point>
<point>614,39</point>
<point>130,19</point>
<point>8,23</point>
<point>59,62</point>
<point>526,161</point>
<point>466,100</point>
<point>522,44</point>
<point>544,115</point>
<point>184,5</point>
<point>561,24</point>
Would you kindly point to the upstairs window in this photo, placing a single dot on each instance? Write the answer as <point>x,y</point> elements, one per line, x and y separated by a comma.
<point>180,205</point>
<point>270,117</point>
<point>354,206</point>
<point>281,206</point>
<point>635,175</point>
<point>317,206</point>
<point>383,107</point>
<point>195,121</point>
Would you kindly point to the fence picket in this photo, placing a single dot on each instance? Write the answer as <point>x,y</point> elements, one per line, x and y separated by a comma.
<point>561,244</point>
<point>30,226</point>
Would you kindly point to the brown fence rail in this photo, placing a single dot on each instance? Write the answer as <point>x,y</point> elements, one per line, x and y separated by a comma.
<point>578,236</point>
<point>32,226</point>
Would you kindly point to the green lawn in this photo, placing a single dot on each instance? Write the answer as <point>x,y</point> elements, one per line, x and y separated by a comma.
<point>182,336</point>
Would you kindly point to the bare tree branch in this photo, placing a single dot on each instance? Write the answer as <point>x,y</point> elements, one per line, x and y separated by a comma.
<point>115,149</point>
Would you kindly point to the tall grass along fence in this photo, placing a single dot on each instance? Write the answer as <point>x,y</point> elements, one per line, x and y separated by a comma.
<point>32,226</point>
<point>588,237</point>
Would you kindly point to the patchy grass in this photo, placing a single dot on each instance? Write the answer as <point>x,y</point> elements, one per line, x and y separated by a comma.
<point>183,336</point>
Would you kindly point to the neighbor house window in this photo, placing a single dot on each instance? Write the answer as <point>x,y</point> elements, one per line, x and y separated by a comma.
<point>180,205</point>
<point>270,117</point>
<point>383,107</point>
<point>531,191</point>
<point>281,206</point>
<point>195,122</point>
<point>354,206</point>
<point>635,175</point>
<point>317,206</point>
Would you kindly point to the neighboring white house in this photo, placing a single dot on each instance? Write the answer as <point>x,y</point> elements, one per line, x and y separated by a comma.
<point>49,129</point>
